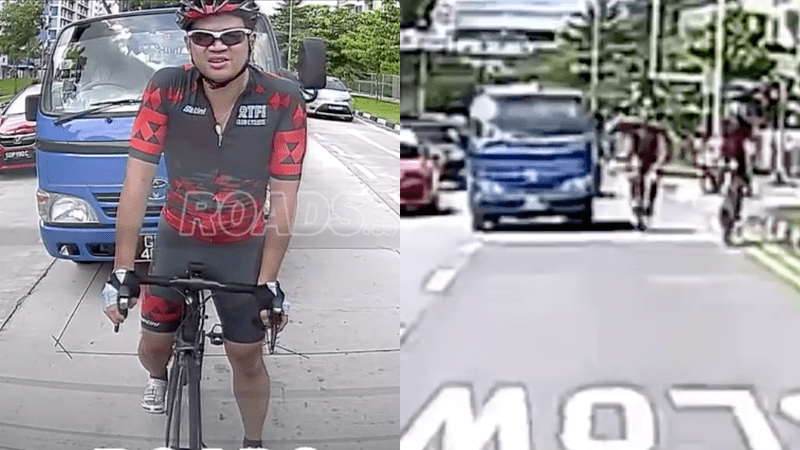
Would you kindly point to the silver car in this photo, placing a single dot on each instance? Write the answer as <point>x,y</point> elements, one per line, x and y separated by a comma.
<point>333,101</point>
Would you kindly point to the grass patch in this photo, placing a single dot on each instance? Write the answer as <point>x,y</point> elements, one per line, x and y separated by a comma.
<point>7,86</point>
<point>387,110</point>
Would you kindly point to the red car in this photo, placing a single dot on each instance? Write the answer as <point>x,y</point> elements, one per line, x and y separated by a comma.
<point>419,175</point>
<point>17,135</point>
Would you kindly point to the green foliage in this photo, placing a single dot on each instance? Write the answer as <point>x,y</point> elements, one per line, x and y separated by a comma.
<point>356,42</point>
<point>20,23</point>
<point>745,56</point>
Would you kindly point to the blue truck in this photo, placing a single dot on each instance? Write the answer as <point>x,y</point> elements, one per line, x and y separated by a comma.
<point>530,152</point>
<point>91,92</point>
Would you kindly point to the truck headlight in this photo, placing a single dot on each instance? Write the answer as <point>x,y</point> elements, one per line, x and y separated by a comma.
<point>490,187</point>
<point>62,208</point>
<point>577,184</point>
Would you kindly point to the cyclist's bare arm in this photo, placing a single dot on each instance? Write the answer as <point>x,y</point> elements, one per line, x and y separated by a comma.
<point>132,204</point>
<point>143,159</point>
<point>286,168</point>
<point>283,206</point>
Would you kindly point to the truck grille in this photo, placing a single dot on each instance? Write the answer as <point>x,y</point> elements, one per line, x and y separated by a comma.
<point>152,211</point>
<point>24,141</point>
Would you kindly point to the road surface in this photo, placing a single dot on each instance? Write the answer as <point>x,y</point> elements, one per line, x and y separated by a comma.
<point>526,317</point>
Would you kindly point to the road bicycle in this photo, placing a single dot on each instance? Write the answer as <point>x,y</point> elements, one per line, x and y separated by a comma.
<point>640,194</point>
<point>732,203</point>
<point>187,360</point>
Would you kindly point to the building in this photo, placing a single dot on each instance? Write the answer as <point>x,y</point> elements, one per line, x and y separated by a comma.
<point>359,5</point>
<point>502,28</point>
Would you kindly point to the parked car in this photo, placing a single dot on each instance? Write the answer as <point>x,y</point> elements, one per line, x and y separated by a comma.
<point>18,135</point>
<point>419,174</point>
<point>333,101</point>
<point>437,133</point>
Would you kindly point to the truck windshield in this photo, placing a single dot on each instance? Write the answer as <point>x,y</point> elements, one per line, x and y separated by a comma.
<point>113,59</point>
<point>541,114</point>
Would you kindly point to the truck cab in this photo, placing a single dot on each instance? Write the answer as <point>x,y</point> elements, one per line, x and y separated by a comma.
<point>531,152</point>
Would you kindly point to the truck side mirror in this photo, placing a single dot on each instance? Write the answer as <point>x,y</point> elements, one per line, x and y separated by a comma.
<point>311,64</point>
<point>31,107</point>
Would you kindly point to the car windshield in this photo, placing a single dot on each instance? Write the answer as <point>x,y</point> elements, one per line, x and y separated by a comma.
<point>540,114</point>
<point>335,85</point>
<point>17,106</point>
<point>433,133</point>
<point>113,59</point>
<point>409,151</point>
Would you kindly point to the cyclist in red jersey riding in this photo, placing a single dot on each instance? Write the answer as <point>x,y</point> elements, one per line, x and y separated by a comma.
<point>228,132</point>
<point>651,147</point>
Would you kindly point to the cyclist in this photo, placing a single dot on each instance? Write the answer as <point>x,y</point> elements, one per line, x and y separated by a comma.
<point>739,133</point>
<point>651,149</point>
<point>228,132</point>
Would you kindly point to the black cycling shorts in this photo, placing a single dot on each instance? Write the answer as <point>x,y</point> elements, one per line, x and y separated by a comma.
<point>239,262</point>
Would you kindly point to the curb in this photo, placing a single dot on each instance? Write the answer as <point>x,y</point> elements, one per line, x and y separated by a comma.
<point>380,121</point>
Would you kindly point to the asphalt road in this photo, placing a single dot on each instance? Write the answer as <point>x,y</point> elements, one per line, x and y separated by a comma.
<point>526,316</point>
<point>68,382</point>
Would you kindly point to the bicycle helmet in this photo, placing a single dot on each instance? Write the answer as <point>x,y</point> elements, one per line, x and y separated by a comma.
<point>193,10</point>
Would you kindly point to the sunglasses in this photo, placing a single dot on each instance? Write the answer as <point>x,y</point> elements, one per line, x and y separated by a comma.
<point>230,37</point>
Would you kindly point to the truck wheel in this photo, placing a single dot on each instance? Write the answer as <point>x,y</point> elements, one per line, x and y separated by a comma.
<point>587,216</point>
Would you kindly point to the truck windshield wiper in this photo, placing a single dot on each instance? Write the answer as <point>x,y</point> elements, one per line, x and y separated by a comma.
<point>97,107</point>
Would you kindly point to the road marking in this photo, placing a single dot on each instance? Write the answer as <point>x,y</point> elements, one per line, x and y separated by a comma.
<point>696,279</point>
<point>440,280</point>
<point>360,136</point>
<point>774,266</point>
<point>396,197</point>
<point>782,255</point>
<point>470,248</point>
<point>613,237</point>
<point>368,173</point>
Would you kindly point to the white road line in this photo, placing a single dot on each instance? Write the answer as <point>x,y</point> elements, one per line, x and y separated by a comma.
<point>368,173</point>
<point>618,237</point>
<point>440,280</point>
<point>360,136</point>
<point>774,266</point>
<point>470,248</point>
<point>782,255</point>
<point>396,197</point>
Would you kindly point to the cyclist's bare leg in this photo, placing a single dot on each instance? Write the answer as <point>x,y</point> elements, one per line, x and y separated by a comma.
<point>155,350</point>
<point>250,385</point>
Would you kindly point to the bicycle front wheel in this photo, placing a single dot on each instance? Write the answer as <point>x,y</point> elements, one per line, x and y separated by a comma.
<point>175,402</point>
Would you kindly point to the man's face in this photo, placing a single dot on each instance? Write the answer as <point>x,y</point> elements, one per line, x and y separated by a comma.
<point>219,61</point>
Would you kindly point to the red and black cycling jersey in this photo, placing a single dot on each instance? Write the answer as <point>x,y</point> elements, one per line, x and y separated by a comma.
<point>217,186</point>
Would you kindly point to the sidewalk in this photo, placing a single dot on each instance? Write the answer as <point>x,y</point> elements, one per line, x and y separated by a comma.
<point>335,381</point>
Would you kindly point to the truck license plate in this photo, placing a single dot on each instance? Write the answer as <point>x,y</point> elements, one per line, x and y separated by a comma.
<point>532,203</point>
<point>147,243</point>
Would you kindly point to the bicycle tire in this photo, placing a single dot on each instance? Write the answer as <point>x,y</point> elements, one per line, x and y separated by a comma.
<point>194,373</point>
<point>175,402</point>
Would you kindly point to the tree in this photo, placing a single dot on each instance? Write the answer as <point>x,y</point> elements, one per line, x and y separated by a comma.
<point>375,42</point>
<point>621,63</point>
<point>744,55</point>
<point>20,24</point>
<point>412,11</point>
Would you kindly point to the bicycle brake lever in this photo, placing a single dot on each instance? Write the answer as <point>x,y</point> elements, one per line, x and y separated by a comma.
<point>122,307</point>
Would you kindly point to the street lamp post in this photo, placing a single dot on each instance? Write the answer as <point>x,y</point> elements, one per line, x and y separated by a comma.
<point>291,11</point>
<point>595,53</point>
<point>719,48</point>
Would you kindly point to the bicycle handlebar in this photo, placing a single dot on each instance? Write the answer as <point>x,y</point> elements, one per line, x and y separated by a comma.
<point>198,284</point>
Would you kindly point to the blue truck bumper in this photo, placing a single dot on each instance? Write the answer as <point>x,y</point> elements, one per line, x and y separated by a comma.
<point>82,243</point>
<point>530,205</point>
